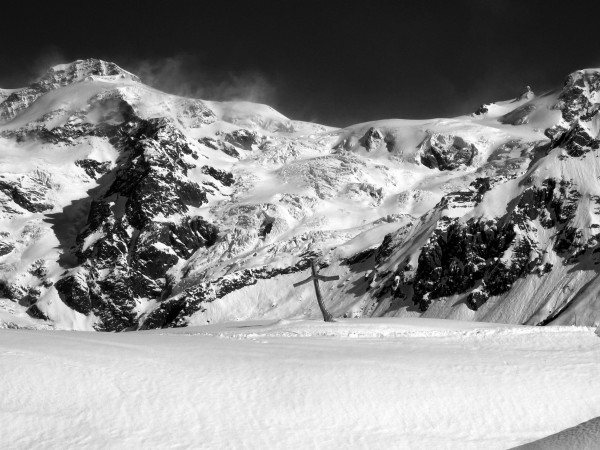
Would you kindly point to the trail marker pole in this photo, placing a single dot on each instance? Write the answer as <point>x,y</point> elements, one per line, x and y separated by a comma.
<point>315,277</point>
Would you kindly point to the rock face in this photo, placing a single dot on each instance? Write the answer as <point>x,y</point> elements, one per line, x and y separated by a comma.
<point>125,208</point>
<point>519,116</point>
<point>547,223</point>
<point>27,192</point>
<point>244,139</point>
<point>94,169</point>
<point>123,234</point>
<point>446,152</point>
<point>373,139</point>
<point>462,255</point>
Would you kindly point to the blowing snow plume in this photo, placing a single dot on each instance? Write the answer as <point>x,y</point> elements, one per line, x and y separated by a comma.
<point>184,75</point>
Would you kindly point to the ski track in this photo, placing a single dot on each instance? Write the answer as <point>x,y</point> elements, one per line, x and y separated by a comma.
<point>469,388</point>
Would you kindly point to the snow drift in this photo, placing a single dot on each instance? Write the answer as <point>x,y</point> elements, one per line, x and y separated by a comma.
<point>362,383</point>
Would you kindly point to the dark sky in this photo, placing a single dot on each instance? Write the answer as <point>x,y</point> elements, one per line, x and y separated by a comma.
<point>322,61</point>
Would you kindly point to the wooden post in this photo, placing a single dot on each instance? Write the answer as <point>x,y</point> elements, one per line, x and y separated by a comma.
<point>315,277</point>
<point>326,315</point>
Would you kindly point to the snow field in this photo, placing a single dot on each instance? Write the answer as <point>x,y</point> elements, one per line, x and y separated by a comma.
<point>368,383</point>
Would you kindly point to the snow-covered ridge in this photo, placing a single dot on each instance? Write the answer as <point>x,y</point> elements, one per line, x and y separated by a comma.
<point>123,207</point>
<point>58,76</point>
<point>82,69</point>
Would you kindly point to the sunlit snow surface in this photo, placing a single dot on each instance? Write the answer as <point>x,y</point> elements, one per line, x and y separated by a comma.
<point>364,383</point>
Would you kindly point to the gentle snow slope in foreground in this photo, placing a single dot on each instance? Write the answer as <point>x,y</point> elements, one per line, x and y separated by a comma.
<point>298,384</point>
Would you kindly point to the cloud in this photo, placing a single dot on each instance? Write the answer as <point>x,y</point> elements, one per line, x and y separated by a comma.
<point>185,75</point>
<point>47,57</point>
<point>21,69</point>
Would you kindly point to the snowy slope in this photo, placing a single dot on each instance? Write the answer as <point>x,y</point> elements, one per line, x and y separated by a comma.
<point>584,436</point>
<point>364,383</point>
<point>123,207</point>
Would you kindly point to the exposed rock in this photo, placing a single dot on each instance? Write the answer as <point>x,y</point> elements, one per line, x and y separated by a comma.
<point>31,297</point>
<point>196,114</point>
<point>93,168</point>
<point>446,152</point>
<point>366,190</point>
<point>35,312</point>
<point>224,177</point>
<point>133,239</point>
<point>28,193</point>
<point>477,298</point>
<point>518,116</point>
<point>153,178</point>
<point>38,269</point>
<point>173,313</point>
<point>528,94</point>
<point>6,247</point>
<point>210,143</point>
<point>459,254</point>
<point>372,139</point>
<point>482,109</point>
<point>575,99</point>
<point>244,139</point>
<point>226,148</point>
<point>578,140</point>
<point>74,291</point>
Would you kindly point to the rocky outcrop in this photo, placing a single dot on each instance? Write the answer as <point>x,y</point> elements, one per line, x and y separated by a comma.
<point>372,139</point>
<point>458,255</point>
<point>75,292</point>
<point>214,144</point>
<point>195,113</point>
<point>6,247</point>
<point>484,257</point>
<point>577,141</point>
<point>29,193</point>
<point>130,243</point>
<point>226,178</point>
<point>482,109</point>
<point>576,100</point>
<point>518,116</point>
<point>244,139</point>
<point>94,169</point>
<point>446,152</point>
<point>527,94</point>
<point>174,312</point>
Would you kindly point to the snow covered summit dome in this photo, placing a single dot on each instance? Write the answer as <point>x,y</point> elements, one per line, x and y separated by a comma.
<point>81,69</point>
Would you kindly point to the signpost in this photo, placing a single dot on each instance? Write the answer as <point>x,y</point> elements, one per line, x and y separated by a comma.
<point>315,277</point>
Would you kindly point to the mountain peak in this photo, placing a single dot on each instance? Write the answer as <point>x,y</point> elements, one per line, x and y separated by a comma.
<point>83,68</point>
<point>17,100</point>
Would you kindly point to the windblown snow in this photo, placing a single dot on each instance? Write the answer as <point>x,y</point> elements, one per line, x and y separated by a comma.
<point>296,384</point>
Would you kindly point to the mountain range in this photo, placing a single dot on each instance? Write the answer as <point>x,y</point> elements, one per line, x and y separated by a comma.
<point>126,208</point>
